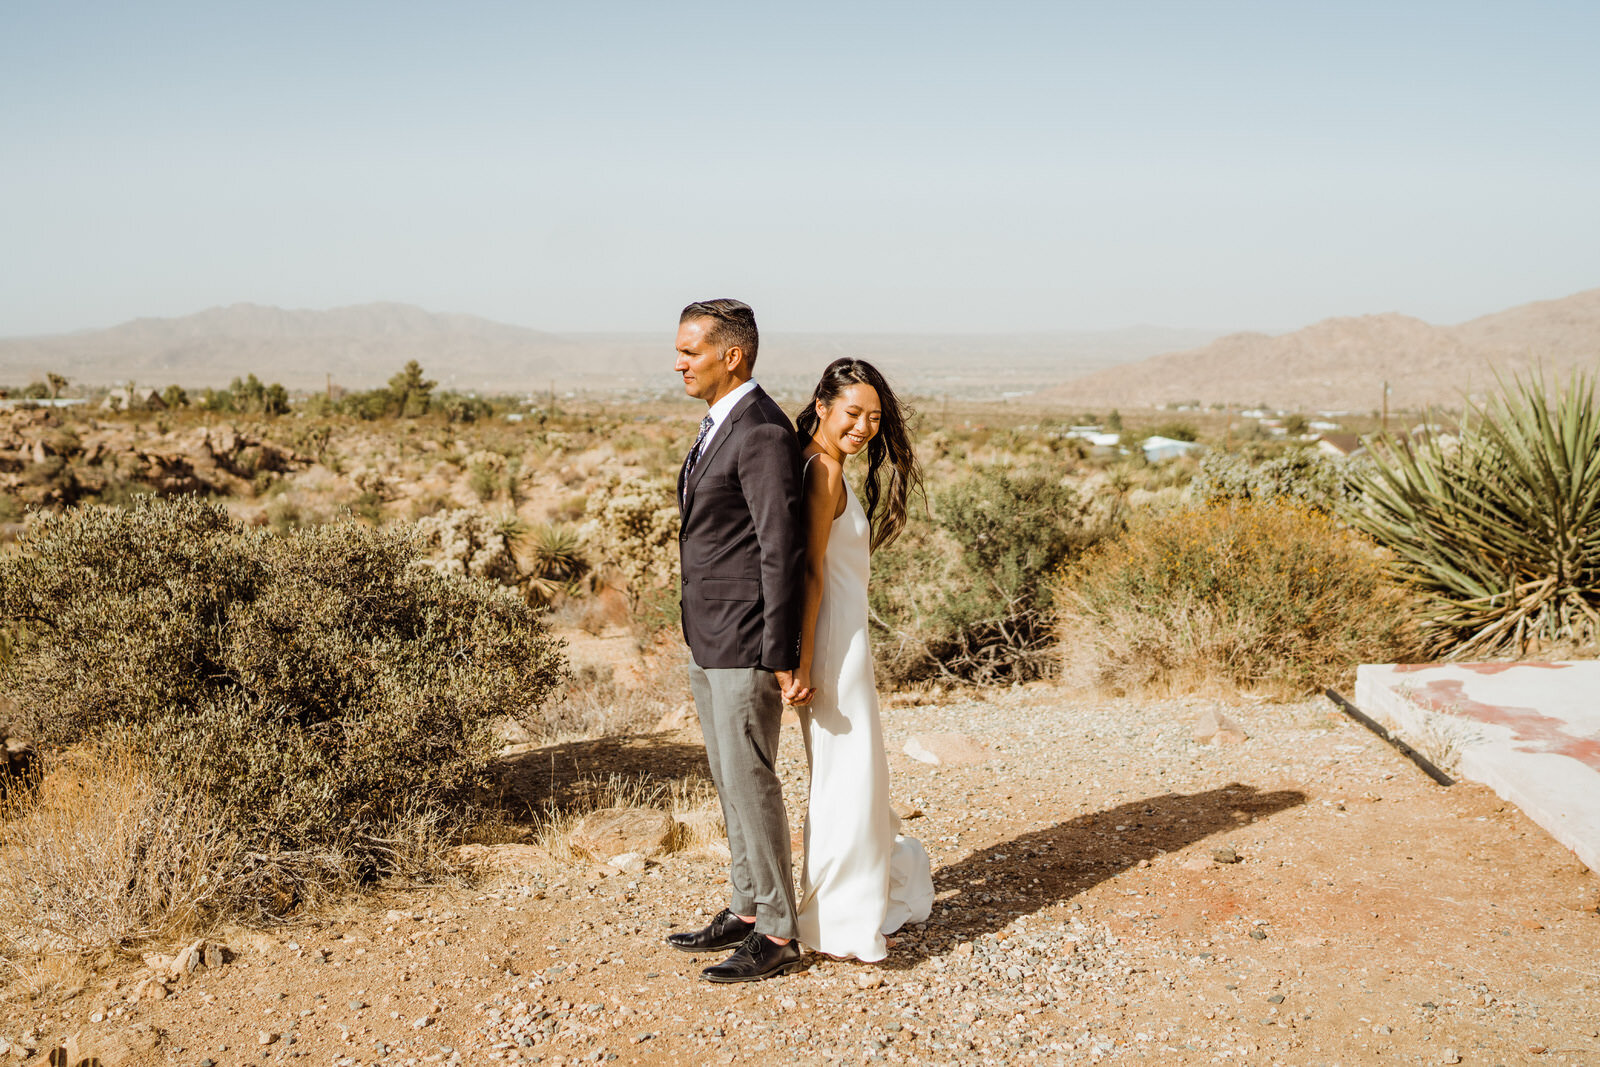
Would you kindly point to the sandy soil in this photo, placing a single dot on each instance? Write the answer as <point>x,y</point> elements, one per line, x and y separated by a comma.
<point>1369,916</point>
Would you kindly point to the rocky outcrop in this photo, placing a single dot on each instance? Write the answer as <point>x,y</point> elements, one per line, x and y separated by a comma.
<point>45,463</point>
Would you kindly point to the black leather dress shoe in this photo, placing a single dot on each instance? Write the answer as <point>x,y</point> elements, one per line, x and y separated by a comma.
<point>756,959</point>
<point>726,931</point>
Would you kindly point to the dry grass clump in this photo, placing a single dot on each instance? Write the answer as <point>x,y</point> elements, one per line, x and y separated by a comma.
<point>1272,598</point>
<point>99,854</point>
<point>692,803</point>
<point>103,853</point>
<point>595,704</point>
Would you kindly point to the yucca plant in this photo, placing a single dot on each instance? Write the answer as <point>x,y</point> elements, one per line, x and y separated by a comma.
<point>554,552</point>
<point>1500,529</point>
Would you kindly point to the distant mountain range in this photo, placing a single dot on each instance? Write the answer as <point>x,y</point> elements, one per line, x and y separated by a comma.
<point>362,346</point>
<point>1342,364</point>
<point>1338,364</point>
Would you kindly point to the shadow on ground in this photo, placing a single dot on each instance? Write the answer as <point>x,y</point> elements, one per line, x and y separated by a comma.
<point>991,888</point>
<point>558,778</point>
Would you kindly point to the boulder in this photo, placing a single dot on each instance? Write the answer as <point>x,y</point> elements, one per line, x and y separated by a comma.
<point>1213,727</point>
<point>614,831</point>
<point>682,717</point>
<point>946,750</point>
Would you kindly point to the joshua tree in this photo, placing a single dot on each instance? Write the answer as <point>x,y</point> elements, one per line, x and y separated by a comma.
<point>57,383</point>
<point>409,391</point>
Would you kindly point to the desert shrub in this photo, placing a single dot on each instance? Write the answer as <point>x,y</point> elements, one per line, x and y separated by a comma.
<point>1175,431</point>
<point>1499,529</point>
<point>632,533</point>
<point>1273,596</point>
<point>971,598</point>
<point>595,704</point>
<point>490,473</point>
<point>1299,474</point>
<point>469,543</point>
<point>10,508</point>
<point>322,693</point>
<point>458,407</point>
<point>483,480</point>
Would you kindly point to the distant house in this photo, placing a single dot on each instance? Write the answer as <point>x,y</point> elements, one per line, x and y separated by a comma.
<point>128,399</point>
<point>1100,442</point>
<point>1342,445</point>
<point>1158,449</point>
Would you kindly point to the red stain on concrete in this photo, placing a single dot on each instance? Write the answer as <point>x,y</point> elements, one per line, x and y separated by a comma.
<point>1477,668</point>
<point>1539,733</point>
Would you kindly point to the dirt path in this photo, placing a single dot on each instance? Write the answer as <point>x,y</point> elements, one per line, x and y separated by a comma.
<point>1371,917</point>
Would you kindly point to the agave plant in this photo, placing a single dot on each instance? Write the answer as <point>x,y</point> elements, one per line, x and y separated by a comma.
<point>1500,529</point>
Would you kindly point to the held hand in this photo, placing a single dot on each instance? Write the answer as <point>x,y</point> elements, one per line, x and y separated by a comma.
<point>799,691</point>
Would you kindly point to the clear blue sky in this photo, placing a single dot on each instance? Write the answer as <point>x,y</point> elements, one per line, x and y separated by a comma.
<point>853,166</point>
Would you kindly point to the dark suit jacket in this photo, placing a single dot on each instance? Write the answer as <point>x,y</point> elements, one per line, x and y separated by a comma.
<point>741,543</point>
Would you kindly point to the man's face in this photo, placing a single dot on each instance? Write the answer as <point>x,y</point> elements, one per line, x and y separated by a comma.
<point>707,372</point>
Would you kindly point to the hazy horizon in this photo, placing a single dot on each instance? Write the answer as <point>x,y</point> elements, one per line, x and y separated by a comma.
<point>938,169</point>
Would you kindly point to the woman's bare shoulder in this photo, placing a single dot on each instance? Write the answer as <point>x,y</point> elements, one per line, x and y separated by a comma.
<point>828,469</point>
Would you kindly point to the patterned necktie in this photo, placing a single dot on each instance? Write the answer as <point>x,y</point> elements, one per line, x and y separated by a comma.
<point>694,452</point>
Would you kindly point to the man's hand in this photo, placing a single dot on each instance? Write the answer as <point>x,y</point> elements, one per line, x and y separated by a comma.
<point>796,686</point>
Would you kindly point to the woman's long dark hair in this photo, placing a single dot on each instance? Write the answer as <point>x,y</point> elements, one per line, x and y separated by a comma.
<point>891,445</point>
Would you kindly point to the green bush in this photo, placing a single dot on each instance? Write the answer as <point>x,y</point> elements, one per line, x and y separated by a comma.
<point>1499,529</point>
<point>970,596</point>
<point>320,689</point>
<point>1175,431</point>
<point>1301,475</point>
<point>1273,597</point>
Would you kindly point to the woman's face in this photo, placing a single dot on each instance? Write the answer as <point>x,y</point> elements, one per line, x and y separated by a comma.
<point>852,419</point>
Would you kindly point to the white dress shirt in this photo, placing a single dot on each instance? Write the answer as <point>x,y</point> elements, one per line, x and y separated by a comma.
<point>722,409</point>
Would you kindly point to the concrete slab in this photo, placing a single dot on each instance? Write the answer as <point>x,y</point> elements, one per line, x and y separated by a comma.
<point>1529,731</point>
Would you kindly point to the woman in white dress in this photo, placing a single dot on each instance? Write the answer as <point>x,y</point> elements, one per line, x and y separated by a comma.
<point>861,879</point>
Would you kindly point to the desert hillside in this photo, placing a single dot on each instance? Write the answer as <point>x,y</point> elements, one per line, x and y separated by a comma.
<point>1342,363</point>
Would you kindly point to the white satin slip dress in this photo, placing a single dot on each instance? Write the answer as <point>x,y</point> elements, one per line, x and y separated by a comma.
<point>860,879</point>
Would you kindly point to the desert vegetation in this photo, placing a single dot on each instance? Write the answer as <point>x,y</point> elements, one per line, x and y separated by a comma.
<point>270,651</point>
<point>1498,525</point>
<point>297,712</point>
<point>1271,597</point>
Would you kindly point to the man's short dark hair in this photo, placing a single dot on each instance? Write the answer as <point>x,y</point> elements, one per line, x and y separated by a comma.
<point>733,323</point>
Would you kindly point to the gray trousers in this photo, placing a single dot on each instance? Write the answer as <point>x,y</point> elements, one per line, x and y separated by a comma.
<point>741,714</point>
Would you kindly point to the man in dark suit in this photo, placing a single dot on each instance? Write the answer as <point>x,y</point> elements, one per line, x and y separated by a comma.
<point>743,554</point>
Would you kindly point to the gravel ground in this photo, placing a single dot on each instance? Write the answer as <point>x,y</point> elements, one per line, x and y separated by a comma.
<point>1108,889</point>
